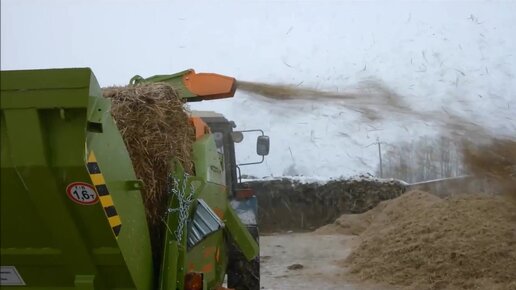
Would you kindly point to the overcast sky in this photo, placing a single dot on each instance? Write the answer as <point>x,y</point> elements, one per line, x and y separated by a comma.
<point>458,55</point>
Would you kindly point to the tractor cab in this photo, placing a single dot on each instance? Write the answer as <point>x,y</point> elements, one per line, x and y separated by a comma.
<point>225,138</point>
<point>242,274</point>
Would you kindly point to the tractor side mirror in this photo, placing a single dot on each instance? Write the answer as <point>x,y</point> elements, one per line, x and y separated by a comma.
<point>262,145</point>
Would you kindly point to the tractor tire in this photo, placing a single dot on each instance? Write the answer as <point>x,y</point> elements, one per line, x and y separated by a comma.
<point>243,274</point>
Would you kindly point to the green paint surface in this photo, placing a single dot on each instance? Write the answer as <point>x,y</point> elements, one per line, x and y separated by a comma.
<point>50,121</point>
<point>52,241</point>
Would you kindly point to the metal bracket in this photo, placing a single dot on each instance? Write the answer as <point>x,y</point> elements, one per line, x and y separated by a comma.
<point>99,110</point>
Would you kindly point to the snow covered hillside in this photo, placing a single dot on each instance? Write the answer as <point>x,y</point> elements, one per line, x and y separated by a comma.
<point>452,55</point>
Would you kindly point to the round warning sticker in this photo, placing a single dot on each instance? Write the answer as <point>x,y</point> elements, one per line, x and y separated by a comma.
<point>82,193</point>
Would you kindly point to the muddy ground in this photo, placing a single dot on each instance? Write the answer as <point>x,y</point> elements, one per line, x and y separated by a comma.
<point>308,261</point>
<point>291,259</point>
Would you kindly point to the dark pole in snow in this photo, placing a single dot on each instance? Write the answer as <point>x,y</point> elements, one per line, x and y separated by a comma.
<point>380,156</point>
<point>379,153</point>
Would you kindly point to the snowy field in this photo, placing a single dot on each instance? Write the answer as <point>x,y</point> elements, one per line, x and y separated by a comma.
<point>457,56</point>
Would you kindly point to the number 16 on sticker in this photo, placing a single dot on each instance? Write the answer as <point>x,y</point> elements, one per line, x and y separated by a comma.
<point>82,193</point>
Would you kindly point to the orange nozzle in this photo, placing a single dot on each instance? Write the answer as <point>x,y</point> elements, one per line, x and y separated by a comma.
<point>209,86</point>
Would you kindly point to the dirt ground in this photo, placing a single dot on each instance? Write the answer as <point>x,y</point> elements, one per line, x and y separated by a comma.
<point>416,241</point>
<point>308,261</point>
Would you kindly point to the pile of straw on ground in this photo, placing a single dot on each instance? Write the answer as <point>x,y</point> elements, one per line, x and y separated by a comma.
<point>421,241</point>
<point>155,128</point>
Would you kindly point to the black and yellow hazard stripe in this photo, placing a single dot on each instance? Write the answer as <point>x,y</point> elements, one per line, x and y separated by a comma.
<point>105,198</point>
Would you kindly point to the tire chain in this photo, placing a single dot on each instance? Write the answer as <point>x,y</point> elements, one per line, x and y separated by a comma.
<point>185,200</point>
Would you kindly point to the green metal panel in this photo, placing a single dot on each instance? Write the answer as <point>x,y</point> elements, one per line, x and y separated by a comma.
<point>170,260</point>
<point>208,165</point>
<point>178,257</point>
<point>174,80</point>
<point>47,88</point>
<point>115,165</point>
<point>210,256</point>
<point>53,242</point>
<point>241,235</point>
<point>203,258</point>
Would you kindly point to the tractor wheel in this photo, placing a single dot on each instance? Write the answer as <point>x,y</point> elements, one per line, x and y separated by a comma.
<point>243,274</point>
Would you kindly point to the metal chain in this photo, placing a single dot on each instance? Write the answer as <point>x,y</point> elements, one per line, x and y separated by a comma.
<point>184,198</point>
